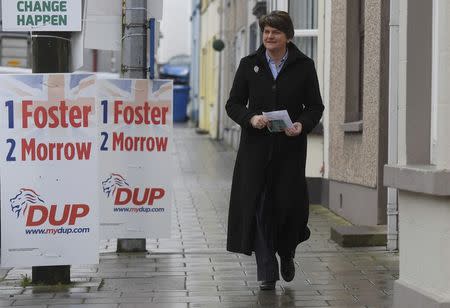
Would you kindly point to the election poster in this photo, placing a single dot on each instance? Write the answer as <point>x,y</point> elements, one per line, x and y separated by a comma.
<point>41,15</point>
<point>48,170</point>
<point>135,163</point>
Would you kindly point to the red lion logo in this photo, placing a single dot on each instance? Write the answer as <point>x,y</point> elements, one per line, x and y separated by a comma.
<point>111,184</point>
<point>25,197</point>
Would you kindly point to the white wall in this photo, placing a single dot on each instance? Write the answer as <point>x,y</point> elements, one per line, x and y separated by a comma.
<point>441,92</point>
<point>425,243</point>
<point>403,63</point>
<point>176,29</point>
<point>314,156</point>
<point>326,32</point>
<point>424,219</point>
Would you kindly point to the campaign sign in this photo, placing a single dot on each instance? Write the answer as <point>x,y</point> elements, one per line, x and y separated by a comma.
<point>48,170</point>
<point>135,139</point>
<point>41,15</point>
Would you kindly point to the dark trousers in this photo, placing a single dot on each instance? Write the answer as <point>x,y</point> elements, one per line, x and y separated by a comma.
<point>266,261</point>
<point>266,229</point>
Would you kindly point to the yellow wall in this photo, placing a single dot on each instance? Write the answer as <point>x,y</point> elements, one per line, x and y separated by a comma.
<point>205,4</point>
<point>209,68</point>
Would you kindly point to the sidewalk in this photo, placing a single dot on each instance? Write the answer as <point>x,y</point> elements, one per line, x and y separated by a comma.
<point>193,269</point>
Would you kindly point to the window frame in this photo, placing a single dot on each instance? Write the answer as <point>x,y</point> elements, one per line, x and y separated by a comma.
<point>355,54</point>
<point>306,33</point>
<point>318,33</point>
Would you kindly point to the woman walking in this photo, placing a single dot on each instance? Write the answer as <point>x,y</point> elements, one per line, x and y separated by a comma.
<point>269,204</point>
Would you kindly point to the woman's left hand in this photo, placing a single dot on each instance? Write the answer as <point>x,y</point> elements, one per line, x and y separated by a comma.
<point>295,130</point>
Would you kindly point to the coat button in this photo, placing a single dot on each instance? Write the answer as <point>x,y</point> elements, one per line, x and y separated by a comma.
<point>274,87</point>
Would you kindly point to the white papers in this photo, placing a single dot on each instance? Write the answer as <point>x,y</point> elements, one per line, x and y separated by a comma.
<point>279,120</point>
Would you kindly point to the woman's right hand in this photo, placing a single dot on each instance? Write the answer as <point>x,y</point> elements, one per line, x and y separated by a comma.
<point>259,121</point>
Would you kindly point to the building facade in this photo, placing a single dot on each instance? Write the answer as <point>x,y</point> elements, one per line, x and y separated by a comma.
<point>209,67</point>
<point>419,132</point>
<point>236,37</point>
<point>358,110</point>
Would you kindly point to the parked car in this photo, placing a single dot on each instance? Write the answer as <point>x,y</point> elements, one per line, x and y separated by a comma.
<point>177,68</point>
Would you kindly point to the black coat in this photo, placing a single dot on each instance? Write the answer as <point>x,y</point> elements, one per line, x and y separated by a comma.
<point>297,90</point>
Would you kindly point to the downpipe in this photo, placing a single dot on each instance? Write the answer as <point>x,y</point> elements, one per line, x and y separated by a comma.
<point>392,193</point>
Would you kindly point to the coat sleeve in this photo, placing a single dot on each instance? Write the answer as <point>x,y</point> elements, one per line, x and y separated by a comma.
<point>313,104</point>
<point>236,105</point>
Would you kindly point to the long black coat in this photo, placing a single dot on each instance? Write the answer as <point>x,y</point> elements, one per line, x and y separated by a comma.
<point>295,89</point>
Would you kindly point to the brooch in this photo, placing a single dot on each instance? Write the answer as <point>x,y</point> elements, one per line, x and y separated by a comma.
<point>256,69</point>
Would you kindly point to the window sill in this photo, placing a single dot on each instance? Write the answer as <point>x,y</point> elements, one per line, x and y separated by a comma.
<point>425,179</point>
<point>352,127</point>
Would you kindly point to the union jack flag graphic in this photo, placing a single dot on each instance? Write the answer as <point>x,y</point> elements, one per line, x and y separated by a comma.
<point>48,90</point>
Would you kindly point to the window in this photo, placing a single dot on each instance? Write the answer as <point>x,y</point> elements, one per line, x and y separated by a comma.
<point>308,45</point>
<point>304,14</point>
<point>355,61</point>
<point>253,42</point>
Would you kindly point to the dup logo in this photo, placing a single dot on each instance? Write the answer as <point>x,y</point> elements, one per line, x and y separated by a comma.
<point>29,204</point>
<point>116,186</point>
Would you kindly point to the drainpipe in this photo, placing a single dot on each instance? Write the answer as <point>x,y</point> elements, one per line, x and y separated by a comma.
<point>392,197</point>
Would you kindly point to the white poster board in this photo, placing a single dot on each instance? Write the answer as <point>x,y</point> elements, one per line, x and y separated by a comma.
<point>48,170</point>
<point>135,121</point>
<point>41,15</point>
<point>103,25</point>
<point>103,22</point>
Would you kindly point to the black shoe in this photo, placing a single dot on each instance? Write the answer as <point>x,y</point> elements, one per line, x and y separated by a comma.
<point>267,285</point>
<point>287,268</point>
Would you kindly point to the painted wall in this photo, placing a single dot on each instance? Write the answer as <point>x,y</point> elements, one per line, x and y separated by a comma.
<point>209,67</point>
<point>326,84</point>
<point>424,218</point>
<point>441,90</point>
<point>425,240</point>
<point>354,157</point>
<point>235,22</point>
<point>314,156</point>
<point>195,64</point>
<point>357,158</point>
